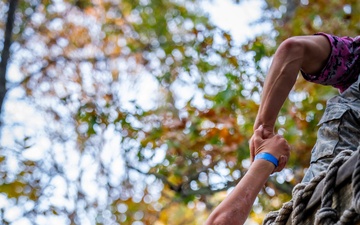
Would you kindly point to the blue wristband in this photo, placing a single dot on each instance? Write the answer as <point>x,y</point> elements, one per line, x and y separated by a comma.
<point>267,157</point>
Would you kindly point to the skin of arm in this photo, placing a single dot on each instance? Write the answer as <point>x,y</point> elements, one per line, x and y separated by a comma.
<point>309,53</point>
<point>236,207</point>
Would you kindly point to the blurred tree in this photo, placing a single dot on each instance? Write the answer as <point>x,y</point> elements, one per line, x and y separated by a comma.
<point>5,53</point>
<point>139,111</point>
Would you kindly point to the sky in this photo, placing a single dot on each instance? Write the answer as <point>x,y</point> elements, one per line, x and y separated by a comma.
<point>236,18</point>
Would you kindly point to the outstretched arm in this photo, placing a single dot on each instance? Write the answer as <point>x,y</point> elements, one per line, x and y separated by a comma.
<point>235,208</point>
<point>309,53</point>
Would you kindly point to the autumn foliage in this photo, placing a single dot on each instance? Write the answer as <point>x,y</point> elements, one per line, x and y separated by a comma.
<point>140,111</point>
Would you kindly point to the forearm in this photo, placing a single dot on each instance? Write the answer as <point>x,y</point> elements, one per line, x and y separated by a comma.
<point>310,53</point>
<point>279,81</point>
<point>237,205</point>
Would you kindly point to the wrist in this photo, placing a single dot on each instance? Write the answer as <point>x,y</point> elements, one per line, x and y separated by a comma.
<point>266,126</point>
<point>267,157</point>
<point>261,169</point>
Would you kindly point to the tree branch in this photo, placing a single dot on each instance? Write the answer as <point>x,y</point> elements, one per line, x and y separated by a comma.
<point>184,192</point>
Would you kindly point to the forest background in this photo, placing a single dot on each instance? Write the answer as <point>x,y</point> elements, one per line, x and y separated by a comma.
<point>79,143</point>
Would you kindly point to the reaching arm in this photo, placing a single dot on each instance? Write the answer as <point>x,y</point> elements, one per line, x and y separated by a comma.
<point>235,208</point>
<point>309,53</point>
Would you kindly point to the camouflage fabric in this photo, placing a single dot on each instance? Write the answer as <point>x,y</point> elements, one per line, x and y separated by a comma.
<point>339,130</point>
<point>343,66</point>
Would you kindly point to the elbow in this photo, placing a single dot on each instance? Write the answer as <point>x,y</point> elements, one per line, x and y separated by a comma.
<point>294,46</point>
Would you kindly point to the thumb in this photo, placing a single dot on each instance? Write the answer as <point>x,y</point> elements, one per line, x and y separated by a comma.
<point>282,163</point>
<point>257,138</point>
<point>267,133</point>
<point>259,132</point>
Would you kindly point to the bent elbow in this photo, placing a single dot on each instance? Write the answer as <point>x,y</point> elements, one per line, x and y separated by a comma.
<point>293,46</point>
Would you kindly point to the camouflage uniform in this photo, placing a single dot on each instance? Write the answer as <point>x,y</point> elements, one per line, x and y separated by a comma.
<point>340,125</point>
<point>339,130</point>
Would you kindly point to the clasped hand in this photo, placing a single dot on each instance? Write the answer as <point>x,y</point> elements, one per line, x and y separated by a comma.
<point>266,141</point>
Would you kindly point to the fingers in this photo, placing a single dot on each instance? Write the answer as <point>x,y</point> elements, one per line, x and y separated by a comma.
<point>255,141</point>
<point>252,149</point>
<point>258,137</point>
<point>264,140</point>
<point>259,131</point>
<point>282,162</point>
<point>285,153</point>
<point>267,133</point>
<point>276,146</point>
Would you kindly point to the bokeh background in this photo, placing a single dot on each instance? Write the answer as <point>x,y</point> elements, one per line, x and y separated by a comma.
<point>139,112</point>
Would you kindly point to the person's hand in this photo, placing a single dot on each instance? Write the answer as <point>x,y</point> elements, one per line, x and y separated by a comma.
<point>275,145</point>
<point>266,132</point>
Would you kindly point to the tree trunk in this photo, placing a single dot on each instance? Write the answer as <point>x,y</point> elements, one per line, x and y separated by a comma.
<point>5,54</point>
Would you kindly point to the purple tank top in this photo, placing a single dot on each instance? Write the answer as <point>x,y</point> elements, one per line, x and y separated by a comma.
<point>343,66</point>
